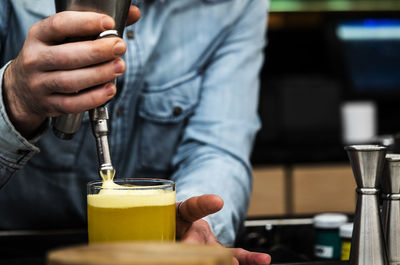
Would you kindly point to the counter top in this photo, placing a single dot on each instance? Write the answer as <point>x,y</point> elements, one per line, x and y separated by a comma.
<point>30,247</point>
<point>318,263</point>
<point>41,261</point>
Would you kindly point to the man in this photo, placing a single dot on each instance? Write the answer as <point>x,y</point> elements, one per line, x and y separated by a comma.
<point>185,109</point>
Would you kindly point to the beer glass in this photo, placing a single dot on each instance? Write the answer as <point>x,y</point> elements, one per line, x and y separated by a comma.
<point>131,210</point>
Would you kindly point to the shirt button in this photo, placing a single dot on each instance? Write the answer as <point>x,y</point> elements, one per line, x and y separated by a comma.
<point>130,34</point>
<point>120,112</point>
<point>177,111</point>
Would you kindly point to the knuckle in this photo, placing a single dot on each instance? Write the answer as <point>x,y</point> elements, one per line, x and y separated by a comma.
<point>56,108</point>
<point>29,59</point>
<point>63,83</point>
<point>57,58</point>
<point>67,105</point>
<point>47,86</point>
<point>35,28</point>
<point>34,83</point>
<point>94,100</point>
<point>56,22</point>
<point>51,57</point>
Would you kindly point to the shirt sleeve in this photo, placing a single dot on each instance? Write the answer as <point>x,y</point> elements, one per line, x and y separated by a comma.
<point>15,150</point>
<point>213,157</point>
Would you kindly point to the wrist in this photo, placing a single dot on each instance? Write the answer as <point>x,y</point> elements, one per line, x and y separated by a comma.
<point>24,122</point>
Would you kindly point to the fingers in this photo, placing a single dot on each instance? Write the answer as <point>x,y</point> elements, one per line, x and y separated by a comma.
<point>77,54</point>
<point>61,81</point>
<point>71,55</point>
<point>199,207</point>
<point>251,258</point>
<point>51,67</point>
<point>191,229</point>
<point>199,233</point>
<point>134,15</point>
<point>70,24</point>
<point>83,101</point>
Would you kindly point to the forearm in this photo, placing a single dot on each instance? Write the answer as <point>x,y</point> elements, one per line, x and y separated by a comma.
<point>25,123</point>
<point>15,150</point>
<point>208,170</point>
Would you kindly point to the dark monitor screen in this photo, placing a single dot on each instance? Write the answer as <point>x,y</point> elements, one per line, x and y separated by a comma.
<point>371,55</point>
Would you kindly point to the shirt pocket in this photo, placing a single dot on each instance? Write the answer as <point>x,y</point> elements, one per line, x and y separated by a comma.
<point>163,114</point>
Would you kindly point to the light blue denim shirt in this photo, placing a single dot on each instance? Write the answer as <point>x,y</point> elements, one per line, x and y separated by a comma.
<point>186,110</point>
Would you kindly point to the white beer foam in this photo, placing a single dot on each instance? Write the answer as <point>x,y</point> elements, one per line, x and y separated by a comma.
<point>125,197</point>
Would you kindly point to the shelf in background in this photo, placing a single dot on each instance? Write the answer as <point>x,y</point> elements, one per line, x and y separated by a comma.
<point>334,5</point>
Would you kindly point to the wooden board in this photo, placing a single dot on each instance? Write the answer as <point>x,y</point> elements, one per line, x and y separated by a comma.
<point>268,195</point>
<point>319,189</point>
<point>141,254</point>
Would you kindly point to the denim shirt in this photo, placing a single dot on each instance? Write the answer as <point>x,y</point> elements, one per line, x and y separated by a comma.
<point>186,110</point>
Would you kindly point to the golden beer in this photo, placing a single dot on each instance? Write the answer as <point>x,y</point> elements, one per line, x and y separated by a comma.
<point>132,213</point>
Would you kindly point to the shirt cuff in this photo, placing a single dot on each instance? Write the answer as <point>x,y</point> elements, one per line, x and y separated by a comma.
<point>15,150</point>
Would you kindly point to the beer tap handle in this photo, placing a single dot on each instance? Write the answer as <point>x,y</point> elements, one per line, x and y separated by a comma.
<point>99,120</point>
<point>100,128</point>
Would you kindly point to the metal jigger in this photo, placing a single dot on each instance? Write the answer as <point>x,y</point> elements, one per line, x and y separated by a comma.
<point>391,207</point>
<point>368,244</point>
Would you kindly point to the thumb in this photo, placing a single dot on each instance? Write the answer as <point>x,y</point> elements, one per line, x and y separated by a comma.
<point>196,208</point>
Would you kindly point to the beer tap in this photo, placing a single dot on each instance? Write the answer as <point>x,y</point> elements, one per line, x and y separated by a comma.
<point>99,121</point>
<point>100,128</point>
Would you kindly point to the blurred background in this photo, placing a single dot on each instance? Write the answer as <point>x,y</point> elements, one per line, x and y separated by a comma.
<point>331,78</point>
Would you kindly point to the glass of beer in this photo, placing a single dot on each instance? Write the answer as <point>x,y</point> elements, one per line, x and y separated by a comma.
<point>131,210</point>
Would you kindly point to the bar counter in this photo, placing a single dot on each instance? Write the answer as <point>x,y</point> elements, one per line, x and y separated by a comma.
<point>317,263</point>
<point>41,261</point>
<point>30,247</point>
